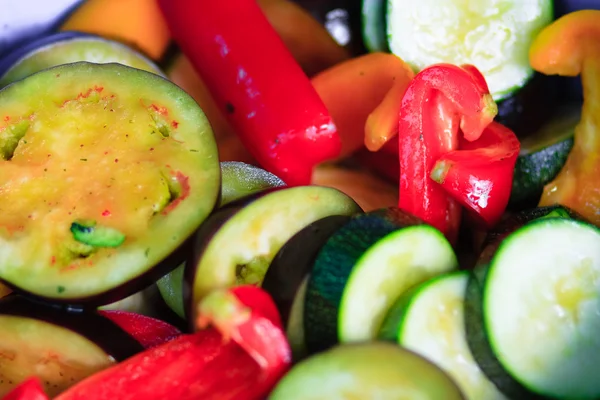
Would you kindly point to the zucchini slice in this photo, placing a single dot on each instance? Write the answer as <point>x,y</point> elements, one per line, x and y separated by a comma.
<point>236,245</point>
<point>543,155</point>
<point>493,36</point>
<point>59,348</point>
<point>532,313</point>
<point>429,320</point>
<point>107,171</point>
<point>363,268</point>
<point>366,371</point>
<point>374,28</point>
<point>68,47</point>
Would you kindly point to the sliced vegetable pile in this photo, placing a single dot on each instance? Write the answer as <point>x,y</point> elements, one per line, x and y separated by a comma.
<point>254,204</point>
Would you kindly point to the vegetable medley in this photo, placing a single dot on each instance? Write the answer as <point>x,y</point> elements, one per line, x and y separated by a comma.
<point>302,200</point>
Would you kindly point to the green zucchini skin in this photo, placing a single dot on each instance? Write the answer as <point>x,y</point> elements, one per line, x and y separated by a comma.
<point>477,319</point>
<point>543,154</point>
<point>514,221</point>
<point>374,25</point>
<point>333,267</point>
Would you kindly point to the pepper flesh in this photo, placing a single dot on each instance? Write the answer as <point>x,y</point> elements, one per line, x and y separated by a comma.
<point>440,99</point>
<point>254,78</point>
<point>570,46</point>
<point>29,389</point>
<point>362,95</point>
<point>479,175</point>
<point>204,365</point>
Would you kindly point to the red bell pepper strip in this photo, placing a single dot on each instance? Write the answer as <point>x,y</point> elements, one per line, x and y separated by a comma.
<point>254,78</point>
<point>29,389</point>
<point>479,175</point>
<point>205,364</point>
<point>149,332</point>
<point>440,99</point>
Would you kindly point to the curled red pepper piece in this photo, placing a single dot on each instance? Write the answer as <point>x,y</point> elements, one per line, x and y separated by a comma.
<point>205,364</point>
<point>479,175</point>
<point>29,389</point>
<point>440,99</point>
<point>255,80</point>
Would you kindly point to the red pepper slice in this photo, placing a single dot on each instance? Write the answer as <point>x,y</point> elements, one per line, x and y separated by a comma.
<point>255,80</point>
<point>29,389</point>
<point>480,174</point>
<point>204,365</point>
<point>439,100</point>
<point>149,332</point>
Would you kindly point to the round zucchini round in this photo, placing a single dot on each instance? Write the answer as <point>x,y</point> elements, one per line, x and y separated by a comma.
<point>60,348</point>
<point>531,312</point>
<point>363,268</point>
<point>107,173</point>
<point>366,371</point>
<point>65,48</point>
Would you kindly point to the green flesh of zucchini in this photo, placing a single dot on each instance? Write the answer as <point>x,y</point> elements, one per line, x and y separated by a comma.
<point>366,371</point>
<point>492,35</point>
<point>429,320</point>
<point>532,311</point>
<point>361,271</point>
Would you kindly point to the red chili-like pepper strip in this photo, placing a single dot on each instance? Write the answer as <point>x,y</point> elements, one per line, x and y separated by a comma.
<point>149,332</point>
<point>440,99</point>
<point>29,389</point>
<point>255,80</point>
<point>205,364</point>
<point>479,175</point>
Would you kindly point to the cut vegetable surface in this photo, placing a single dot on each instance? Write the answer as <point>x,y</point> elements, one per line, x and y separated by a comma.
<point>532,313</point>
<point>106,174</point>
<point>237,243</point>
<point>238,180</point>
<point>287,277</point>
<point>494,36</point>
<point>366,371</point>
<point>67,47</point>
<point>59,348</point>
<point>429,320</point>
<point>363,268</point>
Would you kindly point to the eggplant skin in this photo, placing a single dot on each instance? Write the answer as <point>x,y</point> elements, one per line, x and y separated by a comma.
<point>107,335</point>
<point>294,261</point>
<point>200,241</point>
<point>16,54</point>
<point>141,282</point>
